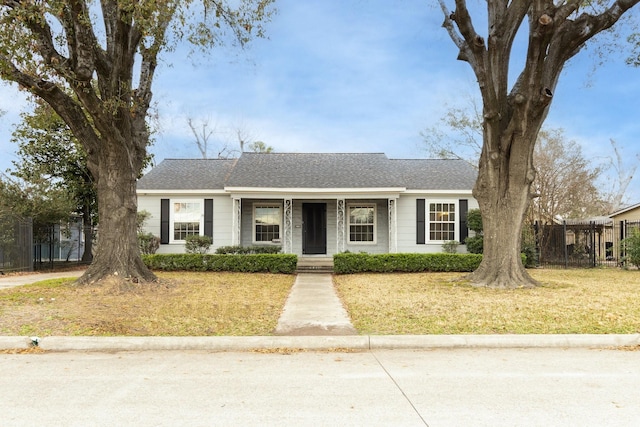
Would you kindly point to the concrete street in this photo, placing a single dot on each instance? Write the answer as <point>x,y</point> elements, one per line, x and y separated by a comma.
<point>445,387</point>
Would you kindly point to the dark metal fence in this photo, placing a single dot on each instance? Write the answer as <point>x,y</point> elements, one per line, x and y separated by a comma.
<point>57,243</point>
<point>581,244</point>
<point>16,240</point>
<point>44,241</point>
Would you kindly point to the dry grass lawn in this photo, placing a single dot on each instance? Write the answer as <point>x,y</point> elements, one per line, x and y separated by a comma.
<point>597,301</point>
<point>206,304</point>
<point>185,304</point>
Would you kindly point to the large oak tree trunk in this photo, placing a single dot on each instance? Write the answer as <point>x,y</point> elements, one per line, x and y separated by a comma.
<point>503,191</point>
<point>117,252</point>
<point>501,265</point>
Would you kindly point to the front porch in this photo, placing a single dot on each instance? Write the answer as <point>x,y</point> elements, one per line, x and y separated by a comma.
<point>309,226</point>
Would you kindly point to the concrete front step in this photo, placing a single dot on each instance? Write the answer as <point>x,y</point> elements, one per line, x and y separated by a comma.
<point>312,270</point>
<point>315,265</point>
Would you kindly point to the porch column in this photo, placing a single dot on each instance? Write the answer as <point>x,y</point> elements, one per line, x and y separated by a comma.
<point>393,226</point>
<point>287,242</point>
<point>340,237</point>
<point>236,222</point>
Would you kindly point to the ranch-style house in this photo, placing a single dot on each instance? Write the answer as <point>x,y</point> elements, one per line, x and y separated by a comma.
<point>310,204</point>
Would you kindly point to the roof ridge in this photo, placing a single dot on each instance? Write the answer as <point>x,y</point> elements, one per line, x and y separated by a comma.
<point>458,160</point>
<point>194,159</point>
<point>315,153</point>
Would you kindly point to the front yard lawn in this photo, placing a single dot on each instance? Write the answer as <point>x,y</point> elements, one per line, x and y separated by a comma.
<point>184,304</point>
<point>594,301</point>
<point>598,301</point>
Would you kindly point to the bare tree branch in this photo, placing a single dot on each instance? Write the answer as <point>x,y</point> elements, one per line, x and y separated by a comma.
<point>202,136</point>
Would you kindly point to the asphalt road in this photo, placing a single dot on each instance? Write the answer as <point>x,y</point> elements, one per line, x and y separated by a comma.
<point>455,387</point>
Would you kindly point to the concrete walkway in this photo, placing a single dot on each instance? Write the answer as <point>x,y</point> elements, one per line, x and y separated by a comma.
<point>313,308</point>
<point>11,280</point>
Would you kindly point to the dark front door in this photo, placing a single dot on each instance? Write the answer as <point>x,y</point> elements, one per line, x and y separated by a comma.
<point>314,228</point>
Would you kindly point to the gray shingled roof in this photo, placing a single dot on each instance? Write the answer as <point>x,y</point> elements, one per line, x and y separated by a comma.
<point>309,170</point>
<point>314,170</point>
<point>187,174</point>
<point>436,174</point>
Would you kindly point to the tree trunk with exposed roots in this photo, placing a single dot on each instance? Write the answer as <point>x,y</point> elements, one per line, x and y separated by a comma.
<point>502,191</point>
<point>117,252</point>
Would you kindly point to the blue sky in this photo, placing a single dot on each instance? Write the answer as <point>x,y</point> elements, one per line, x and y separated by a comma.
<point>358,76</point>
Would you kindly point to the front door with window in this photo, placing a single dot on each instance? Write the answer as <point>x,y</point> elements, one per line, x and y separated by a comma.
<point>314,228</point>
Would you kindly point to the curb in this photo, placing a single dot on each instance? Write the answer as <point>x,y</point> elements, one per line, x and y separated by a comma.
<point>353,342</point>
<point>408,342</point>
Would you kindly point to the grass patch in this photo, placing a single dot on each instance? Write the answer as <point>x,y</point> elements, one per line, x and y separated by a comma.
<point>183,304</point>
<point>569,302</point>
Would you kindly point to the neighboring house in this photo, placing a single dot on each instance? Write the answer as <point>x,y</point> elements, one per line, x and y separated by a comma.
<point>589,241</point>
<point>310,204</point>
<point>630,213</point>
<point>626,220</point>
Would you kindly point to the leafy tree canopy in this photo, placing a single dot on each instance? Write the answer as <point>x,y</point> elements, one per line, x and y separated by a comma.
<point>36,200</point>
<point>49,151</point>
<point>94,63</point>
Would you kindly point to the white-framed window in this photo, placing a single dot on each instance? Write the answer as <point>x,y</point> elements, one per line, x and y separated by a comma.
<point>362,223</point>
<point>267,222</point>
<point>442,221</point>
<point>186,219</point>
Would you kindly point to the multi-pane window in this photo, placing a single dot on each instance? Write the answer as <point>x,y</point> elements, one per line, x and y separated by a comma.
<point>186,219</point>
<point>442,221</point>
<point>362,225</point>
<point>267,219</point>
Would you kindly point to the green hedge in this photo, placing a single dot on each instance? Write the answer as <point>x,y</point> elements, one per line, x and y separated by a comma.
<point>244,250</point>
<point>385,263</point>
<point>347,263</point>
<point>256,263</point>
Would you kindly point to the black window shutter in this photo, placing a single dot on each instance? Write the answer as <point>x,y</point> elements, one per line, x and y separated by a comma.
<point>420,222</point>
<point>208,217</point>
<point>164,221</point>
<point>464,228</point>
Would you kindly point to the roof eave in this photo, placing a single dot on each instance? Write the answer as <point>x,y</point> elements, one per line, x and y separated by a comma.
<point>315,193</point>
<point>183,191</point>
<point>441,191</point>
<point>625,210</point>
